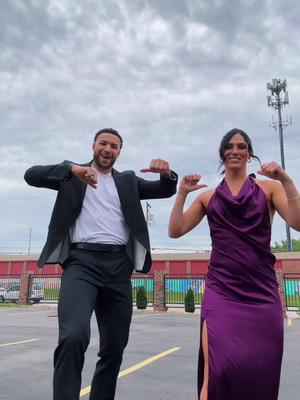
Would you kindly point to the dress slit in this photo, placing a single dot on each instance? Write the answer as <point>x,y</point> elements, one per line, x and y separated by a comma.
<point>201,367</point>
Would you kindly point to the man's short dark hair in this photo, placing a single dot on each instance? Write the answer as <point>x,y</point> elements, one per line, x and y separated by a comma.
<point>109,130</point>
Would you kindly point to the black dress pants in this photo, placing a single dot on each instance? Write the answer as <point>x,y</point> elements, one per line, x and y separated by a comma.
<point>100,282</point>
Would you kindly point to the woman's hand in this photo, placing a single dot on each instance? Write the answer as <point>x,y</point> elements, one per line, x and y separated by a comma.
<point>189,183</point>
<point>274,171</point>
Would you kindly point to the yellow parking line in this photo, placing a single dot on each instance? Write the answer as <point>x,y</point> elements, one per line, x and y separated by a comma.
<point>290,322</point>
<point>20,342</point>
<point>135,367</point>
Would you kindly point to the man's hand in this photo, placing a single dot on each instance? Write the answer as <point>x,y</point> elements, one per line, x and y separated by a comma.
<point>158,166</point>
<point>274,171</point>
<point>189,183</point>
<point>86,175</point>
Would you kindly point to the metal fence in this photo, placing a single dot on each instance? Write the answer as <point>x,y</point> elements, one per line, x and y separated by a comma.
<point>45,289</point>
<point>7,281</point>
<point>49,287</point>
<point>292,291</point>
<point>9,288</point>
<point>177,286</point>
<point>147,282</point>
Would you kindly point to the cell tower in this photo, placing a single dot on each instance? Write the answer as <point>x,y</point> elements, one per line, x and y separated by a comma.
<point>278,99</point>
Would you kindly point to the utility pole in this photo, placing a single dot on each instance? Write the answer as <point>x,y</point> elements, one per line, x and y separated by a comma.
<point>29,241</point>
<point>277,100</point>
<point>148,215</point>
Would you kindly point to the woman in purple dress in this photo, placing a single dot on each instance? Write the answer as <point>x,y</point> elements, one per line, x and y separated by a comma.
<point>241,314</point>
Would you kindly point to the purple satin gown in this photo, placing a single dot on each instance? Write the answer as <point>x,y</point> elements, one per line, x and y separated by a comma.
<point>241,303</point>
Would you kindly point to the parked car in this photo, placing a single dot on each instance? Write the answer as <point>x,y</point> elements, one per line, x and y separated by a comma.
<point>11,294</point>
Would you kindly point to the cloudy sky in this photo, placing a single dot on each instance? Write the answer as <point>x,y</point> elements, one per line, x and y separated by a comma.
<point>173,76</point>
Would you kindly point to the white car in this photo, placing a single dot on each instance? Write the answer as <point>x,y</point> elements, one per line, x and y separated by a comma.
<point>13,291</point>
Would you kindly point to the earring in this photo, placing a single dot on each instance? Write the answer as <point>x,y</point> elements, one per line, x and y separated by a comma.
<point>249,160</point>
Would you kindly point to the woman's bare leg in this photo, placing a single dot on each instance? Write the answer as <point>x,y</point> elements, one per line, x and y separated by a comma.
<point>203,393</point>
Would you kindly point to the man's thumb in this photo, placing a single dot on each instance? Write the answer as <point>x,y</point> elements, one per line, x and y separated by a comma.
<point>145,170</point>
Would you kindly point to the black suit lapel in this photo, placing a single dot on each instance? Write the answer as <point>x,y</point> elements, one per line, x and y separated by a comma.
<point>123,193</point>
<point>83,185</point>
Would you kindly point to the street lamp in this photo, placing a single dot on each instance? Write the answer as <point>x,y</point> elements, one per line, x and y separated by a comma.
<point>278,99</point>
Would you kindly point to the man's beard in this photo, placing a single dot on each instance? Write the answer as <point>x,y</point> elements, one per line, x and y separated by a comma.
<point>102,166</point>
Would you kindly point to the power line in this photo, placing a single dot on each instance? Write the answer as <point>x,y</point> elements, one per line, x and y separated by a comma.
<point>26,198</point>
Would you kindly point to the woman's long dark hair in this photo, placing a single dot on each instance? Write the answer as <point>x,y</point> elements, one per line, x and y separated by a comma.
<point>226,139</point>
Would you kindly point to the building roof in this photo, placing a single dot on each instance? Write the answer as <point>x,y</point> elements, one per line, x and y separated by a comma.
<point>197,255</point>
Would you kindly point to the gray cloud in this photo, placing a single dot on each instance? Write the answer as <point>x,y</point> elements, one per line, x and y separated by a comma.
<point>172,76</point>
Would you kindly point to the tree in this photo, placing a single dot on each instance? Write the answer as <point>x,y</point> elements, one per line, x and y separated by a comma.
<point>189,301</point>
<point>283,247</point>
<point>141,298</point>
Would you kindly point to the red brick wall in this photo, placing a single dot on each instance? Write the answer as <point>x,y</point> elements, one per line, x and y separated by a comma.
<point>199,266</point>
<point>291,266</point>
<point>169,266</point>
<point>17,267</point>
<point>159,266</point>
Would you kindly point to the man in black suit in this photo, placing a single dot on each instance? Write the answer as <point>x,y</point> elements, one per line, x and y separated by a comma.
<point>98,234</point>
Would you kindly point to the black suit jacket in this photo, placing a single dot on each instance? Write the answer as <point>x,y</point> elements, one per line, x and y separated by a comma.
<point>71,191</point>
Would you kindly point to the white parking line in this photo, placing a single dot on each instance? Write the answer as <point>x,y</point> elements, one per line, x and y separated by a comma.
<point>25,312</point>
<point>20,342</point>
<point>146,315</point>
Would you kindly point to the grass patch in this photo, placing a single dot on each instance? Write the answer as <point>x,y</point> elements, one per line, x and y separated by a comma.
<point>178,297</point>
<point>292,301</point>
<point>149,295</point>
<point>51,294</point>
<point>12,305</point>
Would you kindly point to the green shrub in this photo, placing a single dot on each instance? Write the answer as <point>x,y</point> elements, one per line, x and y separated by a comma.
<point>141,298</point>
<point>189,301</point>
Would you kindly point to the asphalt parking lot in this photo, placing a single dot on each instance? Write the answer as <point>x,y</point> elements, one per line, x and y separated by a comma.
<point>159,363</point>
